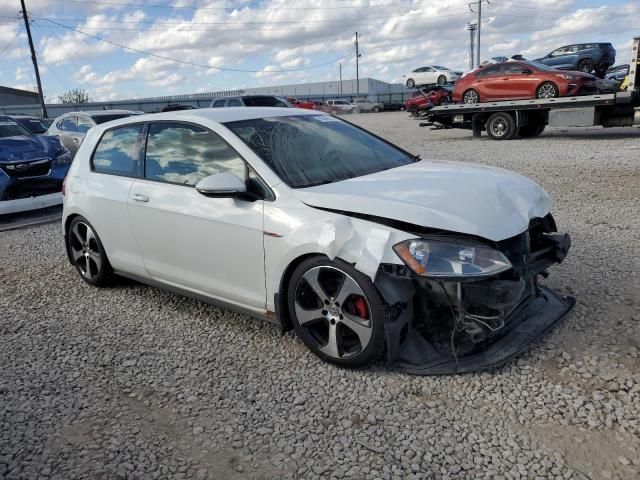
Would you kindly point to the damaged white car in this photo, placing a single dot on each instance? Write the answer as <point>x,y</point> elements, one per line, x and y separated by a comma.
<point>309,221</point>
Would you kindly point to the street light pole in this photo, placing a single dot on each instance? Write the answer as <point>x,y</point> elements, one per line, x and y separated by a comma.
<point>357,68</point>
<point>340,78</point>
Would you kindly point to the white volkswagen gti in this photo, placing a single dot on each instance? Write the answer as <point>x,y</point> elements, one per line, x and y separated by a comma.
<point>306,220</point>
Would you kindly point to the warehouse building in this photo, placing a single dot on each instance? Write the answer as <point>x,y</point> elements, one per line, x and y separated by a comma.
<point>13,96</point>
<point>370,88</point>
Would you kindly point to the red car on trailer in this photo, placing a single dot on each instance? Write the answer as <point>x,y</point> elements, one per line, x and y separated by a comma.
<point>299,103</point>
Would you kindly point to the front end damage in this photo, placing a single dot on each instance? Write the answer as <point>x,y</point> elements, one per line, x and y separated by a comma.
<point>458,325</point>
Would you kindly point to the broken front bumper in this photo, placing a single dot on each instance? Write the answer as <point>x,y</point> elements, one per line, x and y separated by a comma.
<point>444,327</point>
<point>528,322</point>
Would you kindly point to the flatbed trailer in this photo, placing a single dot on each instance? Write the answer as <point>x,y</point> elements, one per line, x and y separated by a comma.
<point>528,118</point>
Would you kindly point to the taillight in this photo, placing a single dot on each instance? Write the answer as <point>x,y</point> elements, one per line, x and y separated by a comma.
<point>64,186</point>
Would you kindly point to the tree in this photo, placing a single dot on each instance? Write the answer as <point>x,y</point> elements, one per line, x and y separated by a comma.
<point>75,95</point>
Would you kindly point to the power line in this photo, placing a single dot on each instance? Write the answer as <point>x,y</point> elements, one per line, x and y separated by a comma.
<point>144,5</point>
<point>184,62</point>
<point>10,42</point>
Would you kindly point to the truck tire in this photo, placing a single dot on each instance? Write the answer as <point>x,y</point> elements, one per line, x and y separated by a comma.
<point>501,126</point>
<point>530,131</point>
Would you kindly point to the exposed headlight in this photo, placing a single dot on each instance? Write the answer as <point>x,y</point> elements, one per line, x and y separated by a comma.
<point>567,76</point>
<point>443,259</point>
<point>63,158</point>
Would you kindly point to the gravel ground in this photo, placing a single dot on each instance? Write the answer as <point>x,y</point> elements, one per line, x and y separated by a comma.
<point>133,382</point>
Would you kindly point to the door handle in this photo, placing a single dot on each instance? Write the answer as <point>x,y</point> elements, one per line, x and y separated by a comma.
<point>140,197</point>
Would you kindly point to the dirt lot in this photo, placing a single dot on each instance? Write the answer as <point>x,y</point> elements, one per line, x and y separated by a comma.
<point>133,382</point>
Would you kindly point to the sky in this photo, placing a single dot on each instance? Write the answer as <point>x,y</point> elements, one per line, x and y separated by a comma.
<point>224,45</point>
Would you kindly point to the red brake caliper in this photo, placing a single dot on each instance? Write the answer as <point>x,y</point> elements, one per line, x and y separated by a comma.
<point>360,308</point>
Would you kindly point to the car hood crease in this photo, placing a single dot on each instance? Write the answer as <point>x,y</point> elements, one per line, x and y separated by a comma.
<point>474,200</point>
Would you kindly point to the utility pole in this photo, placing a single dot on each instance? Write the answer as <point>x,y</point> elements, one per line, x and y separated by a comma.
<point>340,77</point>
<point>357,68</point>
<point>479,3</point>
<point>472,33</point>
<point>33,57</point>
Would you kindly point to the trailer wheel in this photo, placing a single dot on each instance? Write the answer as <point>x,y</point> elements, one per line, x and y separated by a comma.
<point>442,80</point>
<point>530,131</point>
<point>411,83</point>
<point>501,126</point>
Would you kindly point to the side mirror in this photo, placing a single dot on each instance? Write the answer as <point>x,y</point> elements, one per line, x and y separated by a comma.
<point>223,184</point>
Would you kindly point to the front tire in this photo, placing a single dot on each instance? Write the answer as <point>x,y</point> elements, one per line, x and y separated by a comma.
<point>547,90</point>
<point>376,109</point>
<point>88,254</point>
<point>501,126</point>
<point>442,80</point>
<point>337,312</point>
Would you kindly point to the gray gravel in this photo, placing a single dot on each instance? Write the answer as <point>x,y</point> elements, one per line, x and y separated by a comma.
<point>133,382</point>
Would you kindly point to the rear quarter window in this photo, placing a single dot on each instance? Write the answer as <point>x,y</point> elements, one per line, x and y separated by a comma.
<point>118,151</point>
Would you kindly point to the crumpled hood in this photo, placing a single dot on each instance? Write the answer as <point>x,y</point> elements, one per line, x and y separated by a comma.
<point>17,149</point>
<point>488,202</point>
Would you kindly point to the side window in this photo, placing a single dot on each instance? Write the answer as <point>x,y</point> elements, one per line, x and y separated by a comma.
<point>492,70</point>
<point>514,69</point>
<point>558,52</point>
<point>84,124</point>
<point>68,124</point>
<point>218,104</point>
<point>185,154</point>
<point>428,69</point>
<point>234,102</point>
<point>118,152</point>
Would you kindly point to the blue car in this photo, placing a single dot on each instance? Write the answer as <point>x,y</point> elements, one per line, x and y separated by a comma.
<point>583,57</point>
<point>32,168</point>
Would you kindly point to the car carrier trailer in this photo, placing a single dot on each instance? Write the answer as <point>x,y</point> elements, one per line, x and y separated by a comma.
<point>528,118</point>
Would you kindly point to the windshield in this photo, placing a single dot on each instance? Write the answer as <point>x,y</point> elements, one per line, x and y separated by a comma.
<point>9,128</point>
<point>265,102</point>
<point>33,125</point>
<point>107,118</point>
<point>308,150</point>
<point>538,66</point>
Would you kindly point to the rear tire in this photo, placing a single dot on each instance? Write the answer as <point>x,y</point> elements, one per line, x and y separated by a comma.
<point>411,83</point>
<point>501,126</point>
<point>585,65</point>
<point>88,254</point>
<point>530,131</point>
<point>471,96</point>
<point>337,312</point>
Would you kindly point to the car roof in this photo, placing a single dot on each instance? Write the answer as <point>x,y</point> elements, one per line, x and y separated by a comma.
<point>220,115</point>
<point>97,113</point>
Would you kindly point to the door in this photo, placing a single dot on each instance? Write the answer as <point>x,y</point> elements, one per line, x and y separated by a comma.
<point>115,164</point>
<point>208,245</point>
<point>69,137</point>
<point>429,76</point>
<point>518,81</point>
<point>489,83</point>
<point>84,124</point>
